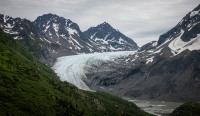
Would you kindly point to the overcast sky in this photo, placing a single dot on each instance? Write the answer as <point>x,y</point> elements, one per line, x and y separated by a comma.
<point>141,20</point>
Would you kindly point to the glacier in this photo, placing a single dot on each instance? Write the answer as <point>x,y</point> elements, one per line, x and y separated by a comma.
<point>72,68</point>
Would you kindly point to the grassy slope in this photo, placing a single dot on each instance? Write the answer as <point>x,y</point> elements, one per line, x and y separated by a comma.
<point>27,87</point>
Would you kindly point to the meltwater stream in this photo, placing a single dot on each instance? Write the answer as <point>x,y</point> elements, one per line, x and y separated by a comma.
<point>71,68</point>
<point>158,108</point>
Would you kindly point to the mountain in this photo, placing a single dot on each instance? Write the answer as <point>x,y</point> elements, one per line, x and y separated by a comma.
<point>110,39</point>
<point>185,35</point>
<point>186,29</point>
<point>28,87</point>
<point>51,36</point>
<point>164,70</point>
<point>63,33</point>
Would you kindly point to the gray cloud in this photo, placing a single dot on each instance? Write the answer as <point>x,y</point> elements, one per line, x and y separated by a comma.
<point>142,20</point>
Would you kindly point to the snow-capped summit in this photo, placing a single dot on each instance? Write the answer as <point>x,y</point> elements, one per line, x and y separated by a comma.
<point>51,23</point>
<point>104,27</point>
<point>61,32</point>
<point>110,39</point>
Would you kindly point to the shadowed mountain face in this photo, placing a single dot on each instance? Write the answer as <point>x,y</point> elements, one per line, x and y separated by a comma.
<point>51,36</point>
<point>165,70</point>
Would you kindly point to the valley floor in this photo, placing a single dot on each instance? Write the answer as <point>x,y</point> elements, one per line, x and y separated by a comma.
<point>158,108</point>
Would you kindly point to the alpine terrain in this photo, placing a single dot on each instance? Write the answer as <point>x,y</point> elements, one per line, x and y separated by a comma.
<point>109,39</point>
<point>49,66</point>
<point>51,36</point>
<point>164,70</point>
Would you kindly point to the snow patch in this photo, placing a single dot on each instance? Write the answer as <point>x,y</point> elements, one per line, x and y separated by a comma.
<point>10,32</point>
<point>190,26</point>
<point>178,46</point>
<point>150,60</point>
<point>193,13</point>
<point>76,42</point>
<point>5,17</point>
<point>47,40</point>
<point>90,49</point>
<point>47,27</point>
<point>101,41</point>
<point>55,27</point>
<point>9,26</point>
<point>58,42</point>
<point>154,44</point>
<point>93,35</point>
<point>16,37</point>
<point>106,36</point>
<point>41,39</point>
<point>121,41</point>
<point>71,31</point>
<point>158,51</point>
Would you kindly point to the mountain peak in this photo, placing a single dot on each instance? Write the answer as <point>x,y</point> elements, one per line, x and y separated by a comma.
<point>109,38</point>
<point>46,20</point>
<point>104,25</point>
<point>50,16</point>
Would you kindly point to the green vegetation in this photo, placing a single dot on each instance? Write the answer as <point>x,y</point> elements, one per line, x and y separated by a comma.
<point>187,109</point>
<point>28,87</point>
